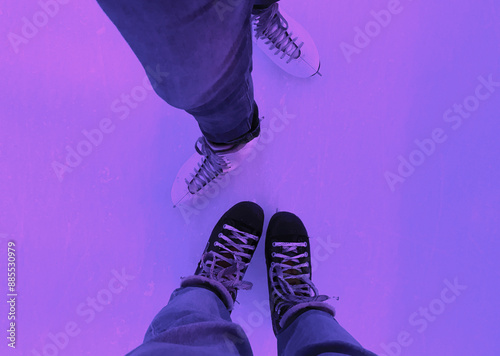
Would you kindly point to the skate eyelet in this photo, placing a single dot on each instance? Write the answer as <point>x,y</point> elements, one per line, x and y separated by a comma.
<point>306,254</point>
<point>274,244</point>
<point>273,254</point>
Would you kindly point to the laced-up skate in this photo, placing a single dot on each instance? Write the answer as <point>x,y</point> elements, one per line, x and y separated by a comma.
<point>208,166</point>
<point>288,258</point>
<point>285,42</point>
<point>229,251</point>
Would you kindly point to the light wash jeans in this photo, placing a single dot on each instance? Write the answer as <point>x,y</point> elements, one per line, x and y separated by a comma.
<point>198,57</point>
<point>196,322</point>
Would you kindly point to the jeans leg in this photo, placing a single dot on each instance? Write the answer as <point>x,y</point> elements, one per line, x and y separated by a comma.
<point>316,332</point>
<point>194,319</point>
<point>197,55</point>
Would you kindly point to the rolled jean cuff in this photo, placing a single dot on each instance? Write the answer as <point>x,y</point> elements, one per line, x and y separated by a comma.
<point>211,284</point>
<point>292,313</point>
<point>246,131</point>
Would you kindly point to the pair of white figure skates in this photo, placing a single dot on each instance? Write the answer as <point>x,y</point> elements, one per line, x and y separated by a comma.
<point>288,45</point>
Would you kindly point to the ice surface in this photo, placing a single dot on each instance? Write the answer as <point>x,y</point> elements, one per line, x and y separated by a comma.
<point>387,254</point>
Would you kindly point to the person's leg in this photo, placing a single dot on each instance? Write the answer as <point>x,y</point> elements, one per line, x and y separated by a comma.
<point>196,320</point>
<point>316,332</point>
<point>303,322</point>
<point>196,59</point>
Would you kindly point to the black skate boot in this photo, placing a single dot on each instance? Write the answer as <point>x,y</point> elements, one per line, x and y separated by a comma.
<point>288,259</point>
<point>228,252</point>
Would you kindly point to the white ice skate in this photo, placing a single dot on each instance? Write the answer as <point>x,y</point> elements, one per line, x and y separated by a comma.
<point>286,42</point>
<point>207,167</point>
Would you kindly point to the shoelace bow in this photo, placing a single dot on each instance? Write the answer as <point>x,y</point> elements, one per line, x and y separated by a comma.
<point>236,244</point>
<point>211,168</point>
<point>291,294</point>
<point>273,26</point>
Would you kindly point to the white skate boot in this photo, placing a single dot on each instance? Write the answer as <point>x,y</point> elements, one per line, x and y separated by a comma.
<point>286,42</point>
<point>207,167</point>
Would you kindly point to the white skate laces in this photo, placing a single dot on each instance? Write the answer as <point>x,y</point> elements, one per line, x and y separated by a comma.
<point>271,26</point>
<point>290,285</point>
<point>228,265</point>
<point>208,170</point>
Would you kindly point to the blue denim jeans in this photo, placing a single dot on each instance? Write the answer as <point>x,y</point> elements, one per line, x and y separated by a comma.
<point>198,57</point>
<point>197,322</point>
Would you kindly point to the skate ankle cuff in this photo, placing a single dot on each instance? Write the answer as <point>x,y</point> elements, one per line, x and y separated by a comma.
<point>259,9</point>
